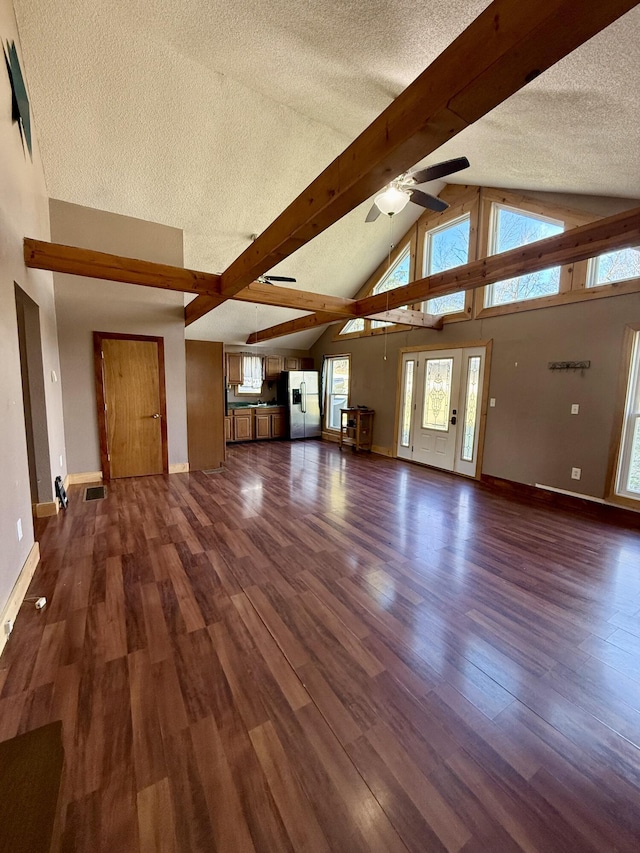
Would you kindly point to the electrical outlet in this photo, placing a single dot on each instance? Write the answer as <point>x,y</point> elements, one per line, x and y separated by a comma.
<point>575,408</point>
<point>576,473</point>
<point>492,402</point>
<point>19,529</point>
<point>61,460</point>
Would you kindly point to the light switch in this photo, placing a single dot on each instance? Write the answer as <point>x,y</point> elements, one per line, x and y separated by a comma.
<point>575,408</point>
<point>492,402</point>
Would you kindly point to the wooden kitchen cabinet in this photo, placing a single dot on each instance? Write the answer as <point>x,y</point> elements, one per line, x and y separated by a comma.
<point>273,366</point>
<point>235,368</point>
<point>256,423</point>
<point>279,424</point>
<point>243,425</point>
<point>263,425</point>
<point>291,362</point>
<point>307,364</point>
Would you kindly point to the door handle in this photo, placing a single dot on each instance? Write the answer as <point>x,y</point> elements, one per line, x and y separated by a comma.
<point>303,389</point>
<point>156,416</point>
<point>454,420</point>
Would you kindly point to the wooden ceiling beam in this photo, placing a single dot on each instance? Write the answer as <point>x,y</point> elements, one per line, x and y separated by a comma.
<point>300,324</point>
<point>509,44</point>
<point>38,254</point>
<point>407,317</point>
<point>402,317</point>
<point>577,244</point>
<point>289,297</point>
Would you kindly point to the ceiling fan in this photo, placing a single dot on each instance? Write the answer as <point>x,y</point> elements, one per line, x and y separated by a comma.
<point>269,279</point>
<point>402,190</point>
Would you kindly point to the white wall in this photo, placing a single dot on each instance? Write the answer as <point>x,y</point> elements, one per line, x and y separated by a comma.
<point>23,212</point>
<point>85,305</point>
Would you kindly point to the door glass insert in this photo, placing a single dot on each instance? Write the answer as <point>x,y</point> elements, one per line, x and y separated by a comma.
<point>407,407</point>
<point>437,393</point>
<point>471,408</point>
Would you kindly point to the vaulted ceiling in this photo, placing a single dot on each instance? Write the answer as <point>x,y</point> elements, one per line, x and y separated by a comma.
<point>213,116</point>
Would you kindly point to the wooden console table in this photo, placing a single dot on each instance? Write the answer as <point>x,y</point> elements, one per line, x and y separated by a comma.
<point>356,428</point>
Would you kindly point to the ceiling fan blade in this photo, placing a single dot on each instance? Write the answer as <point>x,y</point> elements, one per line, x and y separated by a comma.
<point>373,214</point>
<point>440,170</point>
<point>278,278</point>
<point>427,200</point>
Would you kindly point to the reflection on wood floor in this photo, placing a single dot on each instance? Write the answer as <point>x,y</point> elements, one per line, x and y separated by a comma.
<point>322,651</point>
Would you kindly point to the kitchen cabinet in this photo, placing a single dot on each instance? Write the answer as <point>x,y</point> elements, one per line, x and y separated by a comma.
<point>279,424</point>
<point>291,362</point>
<point>263,425</point>
<point>307,364</point>
<point>273,366</point>
<point>235,368</point>
<point>243,425</point>
<point>256,423</point>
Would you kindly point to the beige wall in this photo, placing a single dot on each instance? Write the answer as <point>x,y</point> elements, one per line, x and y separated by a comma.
<point>23,211</point>
<point>85,305</point>
<point>531,436</point>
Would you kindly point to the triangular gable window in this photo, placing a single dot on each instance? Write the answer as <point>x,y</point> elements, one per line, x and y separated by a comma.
<point>352,326</point>
<point>396,276</point>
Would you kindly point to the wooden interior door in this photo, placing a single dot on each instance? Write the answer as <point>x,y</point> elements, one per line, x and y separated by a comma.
<point>131,405</point>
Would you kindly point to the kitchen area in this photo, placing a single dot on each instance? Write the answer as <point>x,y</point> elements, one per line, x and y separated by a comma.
<point>270,396</point>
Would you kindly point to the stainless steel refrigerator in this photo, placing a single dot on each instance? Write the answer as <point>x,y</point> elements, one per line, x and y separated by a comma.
<point>299,390</point>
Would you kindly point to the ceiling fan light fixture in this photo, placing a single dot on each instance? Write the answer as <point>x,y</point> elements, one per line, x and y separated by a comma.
<point>392,200</point>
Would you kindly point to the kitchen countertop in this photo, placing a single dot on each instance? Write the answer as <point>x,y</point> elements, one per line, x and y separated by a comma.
<point>254,406</point>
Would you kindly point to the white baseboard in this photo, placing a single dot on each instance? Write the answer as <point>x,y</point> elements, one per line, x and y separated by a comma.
<point>570,494</point>
<point>11,608</point>
<point>84,477</point>
<point>179,468</point>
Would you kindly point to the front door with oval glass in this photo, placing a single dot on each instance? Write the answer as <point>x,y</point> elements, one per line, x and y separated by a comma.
<point>440,408</point>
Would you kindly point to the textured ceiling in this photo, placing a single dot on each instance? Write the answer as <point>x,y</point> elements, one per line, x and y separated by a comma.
<point>212,116</point>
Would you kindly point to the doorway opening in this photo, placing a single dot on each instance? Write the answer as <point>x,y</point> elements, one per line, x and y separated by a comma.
<point>33,398</point>
<point>442,407</point>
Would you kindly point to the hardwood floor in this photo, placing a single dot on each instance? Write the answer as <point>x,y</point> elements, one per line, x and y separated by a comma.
<point>318,651</point>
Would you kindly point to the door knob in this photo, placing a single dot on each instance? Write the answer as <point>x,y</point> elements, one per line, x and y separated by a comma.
<point>454,420</point>
<point>155,416</point>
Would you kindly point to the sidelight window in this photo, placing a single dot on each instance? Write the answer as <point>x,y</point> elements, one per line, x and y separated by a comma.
<point>628,474</point>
